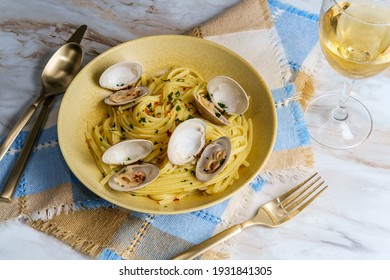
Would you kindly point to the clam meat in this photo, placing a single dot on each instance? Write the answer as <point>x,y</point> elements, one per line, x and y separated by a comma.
<point>208,110</point>
<point>133,177</point>
<point>125,96</point>
<point>213,159</point>
<point>120,75</point>
<point>127,152</point>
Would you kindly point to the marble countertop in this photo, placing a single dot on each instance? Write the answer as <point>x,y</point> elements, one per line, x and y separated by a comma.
<point>348,222</point>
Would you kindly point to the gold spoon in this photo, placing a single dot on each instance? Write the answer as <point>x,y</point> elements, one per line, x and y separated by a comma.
<point>56,77</point>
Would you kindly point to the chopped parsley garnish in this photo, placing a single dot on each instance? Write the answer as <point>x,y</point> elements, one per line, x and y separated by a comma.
<point>222,105</point>
<point>142,120</point>
<point>170,97</point>
<point>178,108</point>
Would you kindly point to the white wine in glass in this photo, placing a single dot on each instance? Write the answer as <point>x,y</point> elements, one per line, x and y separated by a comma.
<point>355,38</point>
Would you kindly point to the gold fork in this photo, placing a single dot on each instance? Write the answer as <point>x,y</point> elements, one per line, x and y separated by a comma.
<point>272,214</point>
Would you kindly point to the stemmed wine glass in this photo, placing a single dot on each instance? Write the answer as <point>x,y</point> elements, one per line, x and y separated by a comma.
<point>355,38</point>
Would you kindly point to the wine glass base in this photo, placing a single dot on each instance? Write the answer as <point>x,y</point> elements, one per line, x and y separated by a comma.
<point>336,134</point>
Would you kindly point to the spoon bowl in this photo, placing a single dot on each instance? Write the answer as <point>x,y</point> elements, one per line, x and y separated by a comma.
<point>61,68</point>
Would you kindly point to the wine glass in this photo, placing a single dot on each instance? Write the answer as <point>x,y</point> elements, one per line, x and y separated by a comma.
<point>355,38</point>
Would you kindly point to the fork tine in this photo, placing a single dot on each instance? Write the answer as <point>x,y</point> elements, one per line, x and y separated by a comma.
<point>292,214</point>
<point>285,199</point>
<point>298,200</point>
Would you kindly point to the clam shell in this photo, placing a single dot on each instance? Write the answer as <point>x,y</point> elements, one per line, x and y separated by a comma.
<point>221,144</point>
<point>151,172</point>
<point>125,96</point>
<point>186,141</point>
<point>127,152</point>
<point>120,75</point>
<point>211,114</point>
<point>228,95</point>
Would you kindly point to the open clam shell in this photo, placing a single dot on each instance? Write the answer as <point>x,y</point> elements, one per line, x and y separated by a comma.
<point>213,159</point>
<point>133,177</point>
<point>186,141</point>
<point>228,95</point>
<point>127,152</point>
<point>120,75</point>
<point>208,110</point>
<point>126,96</point>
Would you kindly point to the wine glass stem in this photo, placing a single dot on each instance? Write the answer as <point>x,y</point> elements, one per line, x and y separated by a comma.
<point>340,113</point>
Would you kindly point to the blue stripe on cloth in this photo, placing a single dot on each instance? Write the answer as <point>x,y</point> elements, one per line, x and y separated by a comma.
<point>6,165</point>
<point>257,184</point>
<point>47,136</point>
<point>107,254</point>
<point>298,36</point>
<point>281,94</point>
<point>291,131</point>
<point>40,171</point>
<point>205,221</point>
<point>291,9</point>
<point>84,198</point>
<point>19,141</point>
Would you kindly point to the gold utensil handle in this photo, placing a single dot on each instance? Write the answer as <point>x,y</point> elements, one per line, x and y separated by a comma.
<point>20,124</point>
<point>16,172</point>
<point>209,243</point>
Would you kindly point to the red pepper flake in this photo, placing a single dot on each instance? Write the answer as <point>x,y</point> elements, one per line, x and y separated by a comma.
<point>169,133</point>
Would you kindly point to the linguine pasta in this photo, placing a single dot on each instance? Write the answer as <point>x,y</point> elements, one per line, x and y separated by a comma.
<point>154,117</point>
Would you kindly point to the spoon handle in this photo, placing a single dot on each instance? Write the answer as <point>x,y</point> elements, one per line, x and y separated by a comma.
<point>20,124</point>
<point>18,168</point>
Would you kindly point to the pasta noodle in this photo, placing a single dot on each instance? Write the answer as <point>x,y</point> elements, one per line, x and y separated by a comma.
<point>154,117</point>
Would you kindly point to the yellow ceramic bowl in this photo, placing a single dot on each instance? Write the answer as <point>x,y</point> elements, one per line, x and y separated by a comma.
<point>82,105</point>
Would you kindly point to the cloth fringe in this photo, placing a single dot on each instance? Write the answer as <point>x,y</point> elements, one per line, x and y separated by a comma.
<point>280,56</point>
<point>82,245</point>
<point>49,213</point>
<point>293,10</point>
<point>286,175</point>
<point>221,251</point>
